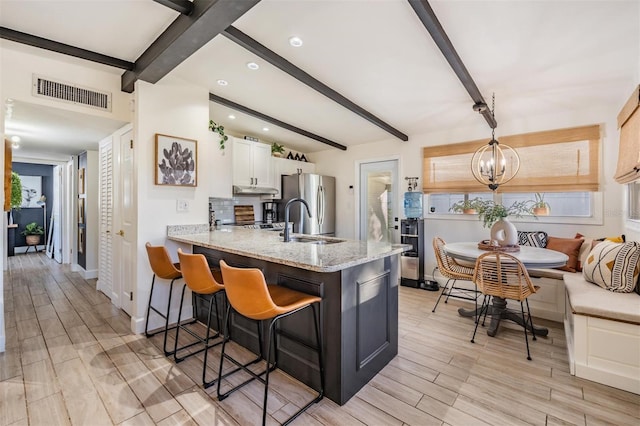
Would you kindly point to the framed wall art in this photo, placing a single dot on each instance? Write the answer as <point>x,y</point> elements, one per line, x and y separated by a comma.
<point>81,173</point>
<point>31,191</point>
<point>175,161</point>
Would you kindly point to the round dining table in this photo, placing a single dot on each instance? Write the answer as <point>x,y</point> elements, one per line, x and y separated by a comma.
<point>531,258</point>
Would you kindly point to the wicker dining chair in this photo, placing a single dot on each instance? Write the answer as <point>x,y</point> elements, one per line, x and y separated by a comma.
<point>453,271</point>
<point>502,275</point>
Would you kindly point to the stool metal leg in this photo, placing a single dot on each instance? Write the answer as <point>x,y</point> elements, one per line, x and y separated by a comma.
<point>165,316</point>
<point>201,340</point>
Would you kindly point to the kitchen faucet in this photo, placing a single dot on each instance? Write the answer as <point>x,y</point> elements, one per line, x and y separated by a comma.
<point>286,216</point>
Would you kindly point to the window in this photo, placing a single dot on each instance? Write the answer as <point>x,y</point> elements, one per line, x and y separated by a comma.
<point>561,204</point>
<point>634,200</point>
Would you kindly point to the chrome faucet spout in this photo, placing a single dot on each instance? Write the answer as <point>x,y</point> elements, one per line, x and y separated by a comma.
<point>286,215</point>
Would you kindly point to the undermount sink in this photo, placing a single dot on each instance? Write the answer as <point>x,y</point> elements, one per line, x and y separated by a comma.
<point>312,240</point>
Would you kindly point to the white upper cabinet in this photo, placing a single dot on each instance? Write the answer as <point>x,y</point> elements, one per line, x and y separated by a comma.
<point>252,163</point>
<point>283,166</point>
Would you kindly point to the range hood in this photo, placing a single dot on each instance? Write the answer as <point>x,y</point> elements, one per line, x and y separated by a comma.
<point>254,190</point>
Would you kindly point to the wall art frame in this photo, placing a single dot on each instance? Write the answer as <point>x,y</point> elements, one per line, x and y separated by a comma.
<point>176,161</point>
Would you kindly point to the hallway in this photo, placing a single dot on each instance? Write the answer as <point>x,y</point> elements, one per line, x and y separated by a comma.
<point>71,359</point>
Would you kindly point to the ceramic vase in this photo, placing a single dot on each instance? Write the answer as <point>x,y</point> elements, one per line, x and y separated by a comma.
<point>504,232</point>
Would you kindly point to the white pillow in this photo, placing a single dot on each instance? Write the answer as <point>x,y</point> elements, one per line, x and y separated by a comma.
<point>613,266</point>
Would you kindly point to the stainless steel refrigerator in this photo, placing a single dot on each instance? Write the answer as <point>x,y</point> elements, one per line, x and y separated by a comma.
<point>320,193</point>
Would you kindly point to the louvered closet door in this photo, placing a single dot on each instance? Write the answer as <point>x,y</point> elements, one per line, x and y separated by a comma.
<point>105,264</point>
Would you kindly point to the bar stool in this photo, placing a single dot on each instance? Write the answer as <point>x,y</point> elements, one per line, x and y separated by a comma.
<point>204,283</point>
<point>162,268</point>
<point>250,296</point>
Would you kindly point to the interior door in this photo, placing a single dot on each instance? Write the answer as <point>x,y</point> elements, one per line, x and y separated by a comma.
<point>55,241</point>
<point>378,201</point>
<point>125,224</point>
<point>105,257</point>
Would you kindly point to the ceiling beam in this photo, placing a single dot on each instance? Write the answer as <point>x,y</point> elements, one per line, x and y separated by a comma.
<point>431,23</point>
<point>185,7</point>
<point>184,37</point>
<point>65,49</point>
<point>254,113</point>
<point>278,61</point>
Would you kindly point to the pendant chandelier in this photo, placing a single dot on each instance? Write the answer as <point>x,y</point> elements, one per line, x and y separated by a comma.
<point>494,164</point>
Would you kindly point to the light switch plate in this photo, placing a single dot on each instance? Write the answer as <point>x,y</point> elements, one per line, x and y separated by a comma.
<point>182,206</point>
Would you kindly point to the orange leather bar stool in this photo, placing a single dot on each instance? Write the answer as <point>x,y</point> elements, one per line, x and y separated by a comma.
<point>204,283</point>
<point>250,296</point>
<point>162,268</point>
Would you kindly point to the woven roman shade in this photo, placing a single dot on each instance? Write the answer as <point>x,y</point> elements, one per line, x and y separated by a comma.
<point>551,161</point>
<point>628,169</point>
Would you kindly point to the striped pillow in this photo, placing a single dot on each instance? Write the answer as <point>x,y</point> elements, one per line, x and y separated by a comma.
<point>533,239</point>
<point>613,266</point>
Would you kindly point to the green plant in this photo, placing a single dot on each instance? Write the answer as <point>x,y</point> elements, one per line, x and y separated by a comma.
<point>539,201</point>
<point>16,191</point>
<point>467,204</point>
<point>277,148</point>
<point>219,129</point>
<point>33,229</point>
<point>490,212</point>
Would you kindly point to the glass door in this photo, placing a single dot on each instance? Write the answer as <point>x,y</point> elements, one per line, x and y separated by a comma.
<point>378,201</point>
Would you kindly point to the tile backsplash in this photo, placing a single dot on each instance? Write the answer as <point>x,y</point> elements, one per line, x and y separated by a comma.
<point>223,207</point>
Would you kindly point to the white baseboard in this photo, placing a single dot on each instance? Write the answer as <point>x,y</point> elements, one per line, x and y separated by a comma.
<point>88,274</point>
<point>2,342</point>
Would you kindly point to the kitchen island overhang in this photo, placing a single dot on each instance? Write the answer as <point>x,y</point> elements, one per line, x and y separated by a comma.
<point>358,283</point>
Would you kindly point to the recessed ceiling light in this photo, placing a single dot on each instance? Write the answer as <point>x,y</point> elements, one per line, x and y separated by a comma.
<point>15,139</point>
<point>15,145</point>
<point>252,65</point>
<point>232,117</point>
<point>223,82</point>
<point>266,129</point>
<point>295,41</point>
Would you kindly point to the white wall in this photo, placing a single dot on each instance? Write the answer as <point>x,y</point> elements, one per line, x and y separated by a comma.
<point>342,166</point>
<point>176,108</point>
<point>3,222</point>
<point>19,62</point>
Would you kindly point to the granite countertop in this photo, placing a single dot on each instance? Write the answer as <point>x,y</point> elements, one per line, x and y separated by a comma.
<point>268,246</point>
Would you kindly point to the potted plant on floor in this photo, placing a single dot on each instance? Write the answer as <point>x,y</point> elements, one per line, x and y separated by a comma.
<point>33,232</point>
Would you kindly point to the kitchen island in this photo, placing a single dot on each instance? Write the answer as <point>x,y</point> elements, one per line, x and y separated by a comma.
<point>358,283</point>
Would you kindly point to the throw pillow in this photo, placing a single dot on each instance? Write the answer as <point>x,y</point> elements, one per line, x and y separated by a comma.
<point>613,266</point>
<point>533,239</point>
<point>568,246</point>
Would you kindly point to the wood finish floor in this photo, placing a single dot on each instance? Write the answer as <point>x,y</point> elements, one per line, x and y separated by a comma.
<point>71,359</point>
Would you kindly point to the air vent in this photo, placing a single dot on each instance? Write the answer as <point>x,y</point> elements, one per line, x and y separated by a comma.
<point>74,94</point>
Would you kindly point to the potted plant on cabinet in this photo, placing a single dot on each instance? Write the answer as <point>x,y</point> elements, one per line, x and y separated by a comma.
<point>33,232</point>
<point>467,206</point>
<point>277,150</point>
<point>540,207</point>
<point>219,129</point>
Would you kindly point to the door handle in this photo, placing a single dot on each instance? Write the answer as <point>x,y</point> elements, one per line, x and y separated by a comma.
<point>121,233</point>
<point>256,181</point>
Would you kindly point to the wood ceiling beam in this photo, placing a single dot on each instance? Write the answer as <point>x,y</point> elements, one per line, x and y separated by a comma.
<point>65,49</point>
<point>439,36</point>
<point>185,7</point>
<point>275,121</point>
<point>278,61</point>
<point>183,37</point>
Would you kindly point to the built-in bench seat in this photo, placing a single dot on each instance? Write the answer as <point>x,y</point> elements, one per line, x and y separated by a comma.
<point>603,333</point>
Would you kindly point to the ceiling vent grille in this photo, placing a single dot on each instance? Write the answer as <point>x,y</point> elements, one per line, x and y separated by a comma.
<point>71,93</point>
